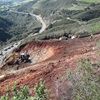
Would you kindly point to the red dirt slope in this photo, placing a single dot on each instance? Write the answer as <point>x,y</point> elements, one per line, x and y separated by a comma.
<point>49,60</point>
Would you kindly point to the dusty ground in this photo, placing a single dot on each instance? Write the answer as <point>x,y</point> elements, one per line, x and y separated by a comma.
<point>50,60</point>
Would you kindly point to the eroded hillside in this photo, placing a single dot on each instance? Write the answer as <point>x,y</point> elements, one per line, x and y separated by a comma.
<point>50,59</point>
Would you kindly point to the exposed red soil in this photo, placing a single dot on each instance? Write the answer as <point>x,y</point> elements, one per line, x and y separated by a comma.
<point>50,59</point>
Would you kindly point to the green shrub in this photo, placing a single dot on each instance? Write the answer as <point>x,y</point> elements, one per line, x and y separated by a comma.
<point>41,93</point>
<point>85,82</point>
<point>22,94</point>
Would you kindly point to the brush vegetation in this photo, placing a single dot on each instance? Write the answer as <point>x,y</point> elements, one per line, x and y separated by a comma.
<point>41,93</point>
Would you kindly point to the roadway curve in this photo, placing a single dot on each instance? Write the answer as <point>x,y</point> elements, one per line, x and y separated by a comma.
<point>38,17</point>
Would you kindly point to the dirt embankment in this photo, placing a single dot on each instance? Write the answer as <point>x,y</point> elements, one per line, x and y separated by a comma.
<point>50,60</point>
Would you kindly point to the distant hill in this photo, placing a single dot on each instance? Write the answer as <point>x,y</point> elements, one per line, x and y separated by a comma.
<point>45,6</point>
<point>92,11</point>
<point>77,18</point>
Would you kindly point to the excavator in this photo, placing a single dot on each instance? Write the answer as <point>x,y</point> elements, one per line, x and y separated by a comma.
<point>17,58</point>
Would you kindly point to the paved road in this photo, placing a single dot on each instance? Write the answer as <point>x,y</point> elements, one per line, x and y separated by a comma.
<point>41,20</point>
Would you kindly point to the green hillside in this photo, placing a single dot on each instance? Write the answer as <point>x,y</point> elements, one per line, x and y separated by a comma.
<point>81,23</point>
<point>92,11</point>
<point>45,7</point>
<point>21,23</point>
<point>80,17</point>
<point>21,26</point>
<point>4,25</point>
